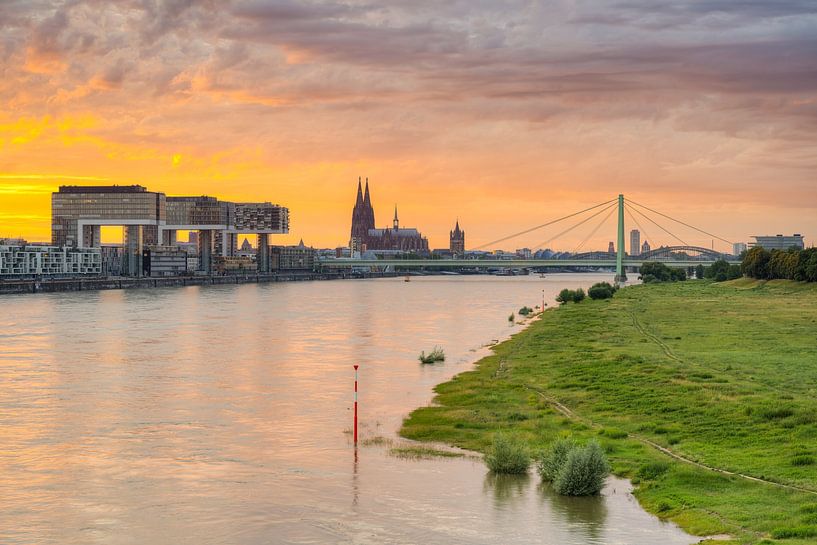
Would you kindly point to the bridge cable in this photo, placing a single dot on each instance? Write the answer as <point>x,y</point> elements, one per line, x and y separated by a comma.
<point>593,232</point>
<point>554,237</point>
<point>681,222</point>
<point>503,239</point>
<point>661,227</point>
<point>632,217</point>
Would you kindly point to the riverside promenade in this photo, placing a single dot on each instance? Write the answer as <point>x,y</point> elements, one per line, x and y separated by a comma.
<point>122,282</point>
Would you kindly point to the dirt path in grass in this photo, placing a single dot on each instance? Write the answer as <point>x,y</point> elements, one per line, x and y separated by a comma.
<point>670,354</point>
<point>664,346</point>
<point>573,416</point>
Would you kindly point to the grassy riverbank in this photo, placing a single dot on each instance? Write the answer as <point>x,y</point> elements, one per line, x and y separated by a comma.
<point>724,375</point>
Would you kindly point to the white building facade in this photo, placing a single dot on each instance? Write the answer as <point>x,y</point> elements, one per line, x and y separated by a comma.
<point>24,261</point>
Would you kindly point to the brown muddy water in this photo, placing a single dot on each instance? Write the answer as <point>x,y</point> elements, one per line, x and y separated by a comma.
<point>220,415</point>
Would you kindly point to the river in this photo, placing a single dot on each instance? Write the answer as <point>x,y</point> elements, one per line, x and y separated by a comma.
<point>221,415</point>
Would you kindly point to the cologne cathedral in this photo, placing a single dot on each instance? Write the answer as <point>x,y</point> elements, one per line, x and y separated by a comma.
<point>365,236</point>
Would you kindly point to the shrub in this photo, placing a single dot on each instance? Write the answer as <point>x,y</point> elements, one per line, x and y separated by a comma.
<point>583,472</point>
<point>566,295</point>
<point>602,290</point>
<point>524,311</point>
<point>733,272</point>
<point>432,357</point>
<point>552,461</point>
<point>655,271</point>
<point>511,318</point>
<point>507,455</point>
<point>574,470</point>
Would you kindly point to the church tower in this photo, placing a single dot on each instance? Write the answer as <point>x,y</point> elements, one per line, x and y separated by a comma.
<point>457,240</point>
<point>362,217</point>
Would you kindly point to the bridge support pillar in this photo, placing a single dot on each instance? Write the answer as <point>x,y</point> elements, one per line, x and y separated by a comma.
<point>621,274</point>
<point>262,255</point>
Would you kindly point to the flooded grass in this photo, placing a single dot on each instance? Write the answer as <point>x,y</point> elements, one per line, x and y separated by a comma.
<point>421,452</point>
<point>378,441</point>
<point>721,374</point>
<point>437,354</point>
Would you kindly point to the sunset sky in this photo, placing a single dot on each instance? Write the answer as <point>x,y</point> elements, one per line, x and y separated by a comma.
<point>501,114</point>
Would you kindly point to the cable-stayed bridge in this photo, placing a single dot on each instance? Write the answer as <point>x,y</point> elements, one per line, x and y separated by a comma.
<point>680,254</point>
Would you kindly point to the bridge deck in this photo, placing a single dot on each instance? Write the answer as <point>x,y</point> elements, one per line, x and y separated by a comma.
<point>504,263</point>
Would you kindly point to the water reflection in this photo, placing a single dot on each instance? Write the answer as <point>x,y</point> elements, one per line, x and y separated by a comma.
<point>217,415</point>
<point>506,489</point>
<point>585,515</point>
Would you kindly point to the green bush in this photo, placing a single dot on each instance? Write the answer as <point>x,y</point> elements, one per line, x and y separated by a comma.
<point>583,472</point>
<point>574,470</point>
<point>507,455</point>
<point>524,311</point>
<point>601,290</point>
<point>552,461</point>
<point>655,271</point>
<point>566,295</point>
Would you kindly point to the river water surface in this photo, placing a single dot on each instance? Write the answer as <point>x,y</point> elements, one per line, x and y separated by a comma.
<point>220,415</point>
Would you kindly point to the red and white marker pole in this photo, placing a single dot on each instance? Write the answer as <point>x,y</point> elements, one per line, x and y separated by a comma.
<point>356,405</point>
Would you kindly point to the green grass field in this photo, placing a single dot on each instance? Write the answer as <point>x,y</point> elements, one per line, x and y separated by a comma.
<point>721,374</point>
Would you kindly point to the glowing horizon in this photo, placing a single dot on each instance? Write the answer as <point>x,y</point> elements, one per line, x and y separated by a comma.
<point>502,116</point>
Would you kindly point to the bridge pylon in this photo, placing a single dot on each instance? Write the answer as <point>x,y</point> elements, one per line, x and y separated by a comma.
<point>621,275</point>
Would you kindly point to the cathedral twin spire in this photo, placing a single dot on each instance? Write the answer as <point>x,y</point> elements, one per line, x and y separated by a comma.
<point>363,213</point>
<point>361,199</point>
<point>364,234</point>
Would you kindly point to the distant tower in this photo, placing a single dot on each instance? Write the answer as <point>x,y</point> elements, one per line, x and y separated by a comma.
<point>635,242</point>
<point>457,240</point>
<point>645,248</point>
<point>611,249</point>
<point>362,216</point>
<point>396,222</point>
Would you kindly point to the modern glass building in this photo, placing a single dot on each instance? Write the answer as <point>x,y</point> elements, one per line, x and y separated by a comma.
<point>78,212</point>
<point>779,242</point>
<point>153,219</point>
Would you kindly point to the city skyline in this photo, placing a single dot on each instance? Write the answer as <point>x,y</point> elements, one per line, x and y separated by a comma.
<point>503,116</point>
<point>116,234</point>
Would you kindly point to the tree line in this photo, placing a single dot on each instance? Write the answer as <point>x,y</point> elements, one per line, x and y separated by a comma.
<point>791,264</point>
<point>759,263</point>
